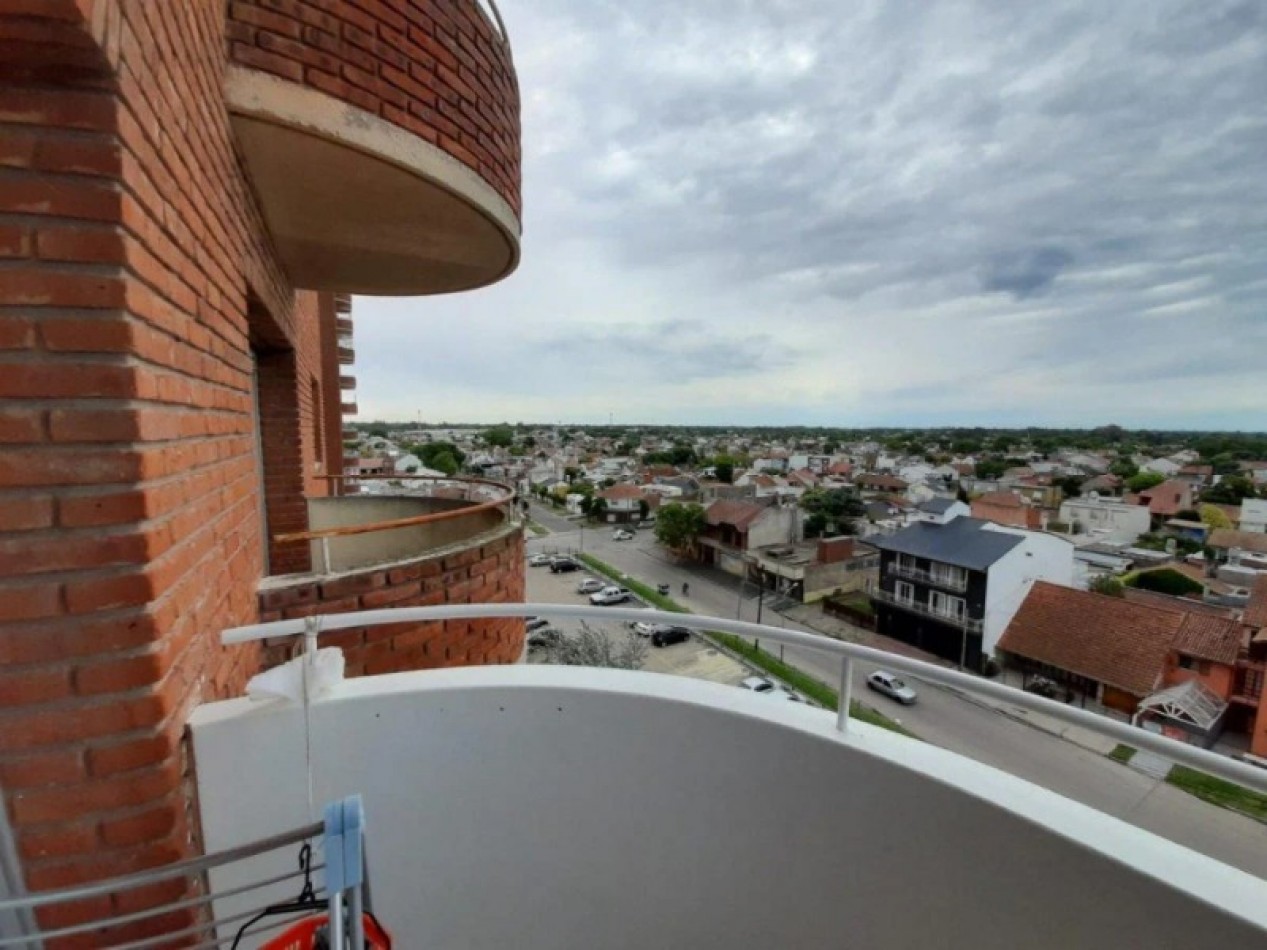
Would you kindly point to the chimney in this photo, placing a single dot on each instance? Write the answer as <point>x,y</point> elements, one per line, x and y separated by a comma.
<point>831,550</point>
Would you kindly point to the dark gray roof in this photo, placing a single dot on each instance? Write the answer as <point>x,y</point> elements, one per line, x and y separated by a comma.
<point>961,541</point>
<point>937,506</point>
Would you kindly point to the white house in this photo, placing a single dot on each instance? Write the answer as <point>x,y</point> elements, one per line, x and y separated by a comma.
<point>1164,467</point>
<point>1254,515</point>
<point>1105,518</point>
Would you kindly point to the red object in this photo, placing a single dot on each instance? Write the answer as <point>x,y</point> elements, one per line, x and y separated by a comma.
<point>303,935</point>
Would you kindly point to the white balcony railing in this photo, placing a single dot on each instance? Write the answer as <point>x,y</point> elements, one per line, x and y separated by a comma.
<point>951,580</point>
<point>918,607</point>
<point>1231,770</point>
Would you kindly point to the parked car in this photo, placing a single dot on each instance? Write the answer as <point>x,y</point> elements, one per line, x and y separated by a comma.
<point>590,585</point>
<point>562,565</point>
<point>622,535</point>
<point>758,684</point>
<point>1042,686</point>
<point>888,684</point>
<point>539,560</point>
<point>643,628</point>
<point>668,634</point>
<point>532,624</point>
<point>610,595</point>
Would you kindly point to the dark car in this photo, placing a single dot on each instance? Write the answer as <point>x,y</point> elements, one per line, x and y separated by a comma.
<point>561,565</point>
<point>668,635</point>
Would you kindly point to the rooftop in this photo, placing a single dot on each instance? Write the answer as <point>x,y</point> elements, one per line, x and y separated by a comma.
<point>965,542</point>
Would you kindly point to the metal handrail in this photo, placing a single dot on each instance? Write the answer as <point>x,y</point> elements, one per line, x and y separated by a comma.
<point>847,653</point>
<point>928,577</point>
<point>915,606</point>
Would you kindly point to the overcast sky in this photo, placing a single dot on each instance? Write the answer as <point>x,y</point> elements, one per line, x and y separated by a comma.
<point>866,213</point>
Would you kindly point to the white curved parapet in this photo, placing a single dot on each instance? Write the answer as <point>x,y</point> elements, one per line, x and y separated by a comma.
<point>569,807</point>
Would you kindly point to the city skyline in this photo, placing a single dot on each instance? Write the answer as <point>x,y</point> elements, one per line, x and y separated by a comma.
<point>910,215</point>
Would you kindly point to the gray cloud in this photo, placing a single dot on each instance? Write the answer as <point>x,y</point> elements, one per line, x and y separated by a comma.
<point>805,180</point>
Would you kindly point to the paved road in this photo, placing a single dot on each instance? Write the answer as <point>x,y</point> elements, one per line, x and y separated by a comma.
<point>949,720</point>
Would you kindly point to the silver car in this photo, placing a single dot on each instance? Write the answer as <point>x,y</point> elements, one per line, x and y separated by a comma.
<point>888,684</point>
<point>591,585</point>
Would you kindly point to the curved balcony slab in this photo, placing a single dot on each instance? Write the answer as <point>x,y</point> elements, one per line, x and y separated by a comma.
<point>604,808</point>
<point>356,203</point>
<point>382,140</point>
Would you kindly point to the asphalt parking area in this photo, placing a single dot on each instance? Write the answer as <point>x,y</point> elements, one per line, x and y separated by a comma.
<point>694,658</point>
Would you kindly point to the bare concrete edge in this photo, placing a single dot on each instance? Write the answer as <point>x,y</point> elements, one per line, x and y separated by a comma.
<point>281,581</point>
<point>260,95</point>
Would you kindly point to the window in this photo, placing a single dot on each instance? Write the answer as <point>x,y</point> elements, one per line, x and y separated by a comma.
<point>1201,667</point>
<point>946,605</point>
<point>949,575</point>
<point>906,562</point>
<point>904,591</point>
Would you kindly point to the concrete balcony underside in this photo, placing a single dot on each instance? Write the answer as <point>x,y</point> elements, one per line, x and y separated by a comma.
<point>358,204</point>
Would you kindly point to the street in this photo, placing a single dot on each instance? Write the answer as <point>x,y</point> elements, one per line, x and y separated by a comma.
<point>947,719</point>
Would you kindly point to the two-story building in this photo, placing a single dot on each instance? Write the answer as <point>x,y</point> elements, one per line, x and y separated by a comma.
<point>1254,515</point>
<point>733,527</point>
<point>950,589</point>
<point>1105,518</point>
<point>626,503</point>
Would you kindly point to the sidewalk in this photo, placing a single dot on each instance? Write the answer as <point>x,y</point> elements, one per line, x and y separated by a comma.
<point>813,616</point>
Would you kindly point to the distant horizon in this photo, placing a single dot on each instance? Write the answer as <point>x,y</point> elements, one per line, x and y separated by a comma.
<point>425,424</point>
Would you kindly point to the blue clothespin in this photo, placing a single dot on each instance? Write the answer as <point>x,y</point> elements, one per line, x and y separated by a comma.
<point>344,843</point>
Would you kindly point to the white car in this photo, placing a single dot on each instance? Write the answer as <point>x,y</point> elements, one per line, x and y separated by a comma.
<point>591,585</point>
<point>610,595</point>
<point>758,684</point>
<point>622,535</point>
<point>539,560</point>
<point>884,682</point>
<point>644,628</point>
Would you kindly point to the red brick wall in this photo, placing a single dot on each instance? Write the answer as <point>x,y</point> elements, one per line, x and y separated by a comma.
<point>490,573</point>
<point>438,69</point>
<point>129,518</point>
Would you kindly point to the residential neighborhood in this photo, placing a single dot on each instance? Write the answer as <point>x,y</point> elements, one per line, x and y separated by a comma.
<point>969,549</point>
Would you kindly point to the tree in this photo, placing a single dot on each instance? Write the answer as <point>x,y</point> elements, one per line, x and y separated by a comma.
<point>725,472</point>
<point>444,462</point>
<point>678,525</point>
<point>598,508</point>
<point>815,525</point>
<point>1214,517</point>
<point>1231,490</point>
<point>991,468</point>
<point>1070,485</point>
<point>586,504</point>
<point>1124,467</point>
<point>644,509</point>
<point>1107,584</point>
<point>502,436</point>
<point>571,473</point>
<point>962,495</point>
<point>1144,481</point>
<point>591,647</point>
<point>837,506</point>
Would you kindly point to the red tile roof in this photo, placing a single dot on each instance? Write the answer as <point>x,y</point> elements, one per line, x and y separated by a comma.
<point>1209,638</point>
<point>1168,498</point>
<point>881,482</point>
<point>738,514</point>
<point>621,493</point>
<point>1106,639</point>
<point>1154,599</point>
<point>1256,609</point>
<point>1245,540</point>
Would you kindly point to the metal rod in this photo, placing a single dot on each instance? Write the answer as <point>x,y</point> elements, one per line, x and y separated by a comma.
<point>846,694</point>
<point>336,920</point>
<point>356,918</point>
<point>1221,766</point>
<point>156,911</point>
<point>159,939</point>
<point>183,869</point>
